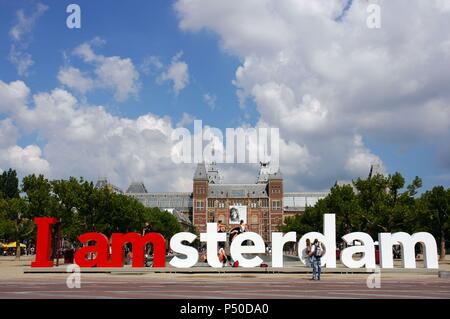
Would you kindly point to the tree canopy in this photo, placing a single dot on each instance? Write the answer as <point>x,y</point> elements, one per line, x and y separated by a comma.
<point>380,204</point>
<point>9,184</point>
<point>78,205</point>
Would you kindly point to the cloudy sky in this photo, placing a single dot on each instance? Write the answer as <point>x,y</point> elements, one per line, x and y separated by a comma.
<point>104,100</point>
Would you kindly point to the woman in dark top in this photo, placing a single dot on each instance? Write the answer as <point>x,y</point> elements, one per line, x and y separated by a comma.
<point>221,245</point>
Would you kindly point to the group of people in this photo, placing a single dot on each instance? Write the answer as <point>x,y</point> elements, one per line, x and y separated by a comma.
<point>11,251</point>
<point>313,254</point>
<point>223,247</point>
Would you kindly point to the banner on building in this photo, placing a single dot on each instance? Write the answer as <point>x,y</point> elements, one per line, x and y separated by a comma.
<point>238,213</point>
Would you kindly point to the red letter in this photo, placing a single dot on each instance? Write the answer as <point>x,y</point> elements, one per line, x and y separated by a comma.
<point>43,242</point>
<point>100,248</point>
<point>138,242</point>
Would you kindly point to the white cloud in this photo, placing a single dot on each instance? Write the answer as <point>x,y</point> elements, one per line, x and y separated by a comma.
<point>442,5</point>
<point>86,140</point>
<point>120,75</point>
<point>24,26</point>
<point>75,79</point>
<point>113,72</point>
<point>323,81</point>
<point>210,100</point>
<point>289,112</point>
<point>177,73</point>
<point>186,119</point>
<point>26,23</point>
<point>26,160</point>
<point>150,64</point>
<point>13,96</point>
<point>8,133</point>
<point>361,159</point>
<point>22,60</point>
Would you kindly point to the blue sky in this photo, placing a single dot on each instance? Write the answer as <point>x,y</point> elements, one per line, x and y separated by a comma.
<point>138,30</point>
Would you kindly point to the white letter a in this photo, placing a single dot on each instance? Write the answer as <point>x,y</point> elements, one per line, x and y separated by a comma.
<point>74,19</point>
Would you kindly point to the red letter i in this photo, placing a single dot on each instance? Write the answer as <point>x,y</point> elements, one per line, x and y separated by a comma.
<point>43,242</point>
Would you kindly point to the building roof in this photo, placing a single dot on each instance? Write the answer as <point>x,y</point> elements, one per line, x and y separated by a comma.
<point>181,201</point>
<point>137,188</point>
<point>213,174</point>
<point>200,172</point>
<point>182,218</point>
<point>103,182</point>
<point>276,175</point>
<point>263,174</point>
<point>237,191</point>
<point>300,200</point>
<point>267,172</point>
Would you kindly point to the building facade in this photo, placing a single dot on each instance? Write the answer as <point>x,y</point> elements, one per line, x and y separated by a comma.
<point>263,205</point>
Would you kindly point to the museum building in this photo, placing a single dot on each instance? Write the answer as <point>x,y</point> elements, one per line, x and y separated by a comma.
<point>262,205</point>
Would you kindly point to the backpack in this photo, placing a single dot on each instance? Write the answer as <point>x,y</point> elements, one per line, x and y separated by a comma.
<point>236,264</point>
<point>317,250</point>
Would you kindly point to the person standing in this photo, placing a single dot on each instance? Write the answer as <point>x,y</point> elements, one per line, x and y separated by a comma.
<point>237,230</point>
<point>221,245</point>
<point>317,251</point>
<point>308,257</point>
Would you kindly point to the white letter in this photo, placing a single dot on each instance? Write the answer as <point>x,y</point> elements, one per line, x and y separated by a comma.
<point>74,19</point>
<point>237,249</point>
<point>198,141</point>
<point>263,147</point>
<point>212,237</point>
<point>213,151</point>
<point>176,244</point>
<point>278,242</point>
<point>229,154</point>
<point>74,280</point>
<point>367,248</point>
<point>329,240</point>
<point>374,280</point>
<point>243,138</point>
<point>408,242</point>
<point>181,151</point>
<point>374,19</point>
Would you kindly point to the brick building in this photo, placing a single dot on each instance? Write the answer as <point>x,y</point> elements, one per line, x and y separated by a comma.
<point>260,205</point>
<point>263,205</point>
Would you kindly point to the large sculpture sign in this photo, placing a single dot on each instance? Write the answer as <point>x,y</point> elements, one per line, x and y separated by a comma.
<point>110,253</point>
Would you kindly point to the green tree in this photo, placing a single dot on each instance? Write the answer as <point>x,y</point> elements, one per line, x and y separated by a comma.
<point>6,225</point>
<point>373,198</point>
<point>82,208</point>
<point>341,201</point>
<point>384,208</point>
<point>436,214</point>
<point>19,225</point>
<point>39,196</point>
<point>376,204</point>
<point>9,184</point>
<point>73,198</point>
<point>162,222</point>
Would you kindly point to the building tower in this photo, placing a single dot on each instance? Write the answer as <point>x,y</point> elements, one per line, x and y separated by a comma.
<point>275,190</point>
<point>200,191</point>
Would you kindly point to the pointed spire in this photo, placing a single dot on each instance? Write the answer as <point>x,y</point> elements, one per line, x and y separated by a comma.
<point>276,175</point>
<point>264,171</point>
<point>137,188</point>
<point>213,174</point>
<point>200,172</point>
